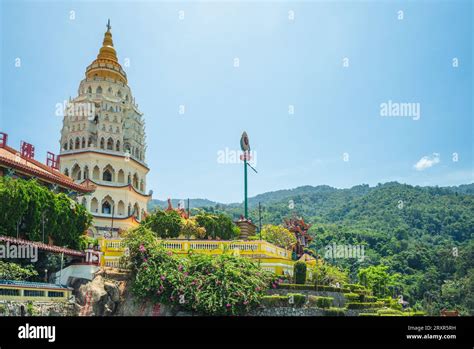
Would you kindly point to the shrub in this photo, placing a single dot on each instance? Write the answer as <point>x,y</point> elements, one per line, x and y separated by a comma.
<point>320,302</point>
<point>299,270</point>
<point>362,305</point>
<point>368,314</point>
<point>217,226</point>
<point>352,297</point>
<point>278,235</point>
<point>370,299</point>
<point>335,312</point>
<point>296,299</point>
<point>388,311</point>
<point>213,285</point>
<point>313,288</point>
<point>275,301</point>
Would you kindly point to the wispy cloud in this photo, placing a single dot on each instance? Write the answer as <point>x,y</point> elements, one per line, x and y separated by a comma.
<point>427,162</point>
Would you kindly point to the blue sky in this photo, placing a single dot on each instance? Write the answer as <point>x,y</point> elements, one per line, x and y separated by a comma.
<point>282,63</point>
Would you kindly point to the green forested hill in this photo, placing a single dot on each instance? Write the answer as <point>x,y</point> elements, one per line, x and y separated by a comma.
<point>424,233</point>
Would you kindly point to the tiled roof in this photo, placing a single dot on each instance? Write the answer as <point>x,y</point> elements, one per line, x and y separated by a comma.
<point>11,158</point>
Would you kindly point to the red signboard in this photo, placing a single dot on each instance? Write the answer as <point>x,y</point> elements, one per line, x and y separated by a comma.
<point>52,160</point>
<point>27,150</point>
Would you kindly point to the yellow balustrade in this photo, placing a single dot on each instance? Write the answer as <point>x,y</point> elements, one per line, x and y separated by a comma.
<point>270,257</point>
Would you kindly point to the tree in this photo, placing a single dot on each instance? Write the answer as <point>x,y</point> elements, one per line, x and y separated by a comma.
<point>13,271</point>
<point>165,224</point>
<point>278,235</point>
<point>378,280</point>
<point>217,226</point>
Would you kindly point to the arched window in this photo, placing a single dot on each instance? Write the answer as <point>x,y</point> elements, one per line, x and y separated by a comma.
<point>94,205</point>
<point>78,143</point>
<point>89,142</point>
<point>83,142</point>
<point>120,176</point>
<point>65,146</point>
<point>108,174</point>
<point>110,90</point>
<point>129,210</point>
<point>71,145</point>
<point>110,144</point>
<point>96,173</point>
<point>107,205</point>
<point>135,181</point>
<point>136,211</point>
<point>117,130</point>
<point>86,172</point>
<point>99,90</point>
<point>89,90</point>
<point>102,141</point>
<point>84,202</point>
<point>66,172</point>
<point>142,186</point>
<point>76,172</point>
<point>117,147</point>
<point>121,208</point>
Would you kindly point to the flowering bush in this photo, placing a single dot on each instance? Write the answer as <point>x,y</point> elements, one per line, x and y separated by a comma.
<point>212,285</point>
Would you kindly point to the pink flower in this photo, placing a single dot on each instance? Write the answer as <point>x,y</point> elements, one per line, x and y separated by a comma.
<point>186,273</point>
<point>145,260</point>
<point>228,305</point>
<point>274,285</point>
<point>246,302</point>
<point>162,277</point>
<point>142,248</point>
<point>180,268</point>
<point>257,289</point>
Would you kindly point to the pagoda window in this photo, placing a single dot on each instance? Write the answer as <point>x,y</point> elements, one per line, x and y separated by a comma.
<point>83,142</point>
<point>110,144</point>
<point>96,173</point>
<point>71,144</point>
<point>65,146</point>
<point>121,176</point>
<point>84,202</point>
<point>89,142</point>
<point>66,172</point>
<point>94,205</point>
<point>129,210</point>
<point>135,181</point>
<point>129,179</point>
<point>121,208</point>
<point>98,90</point>
<point>102,142</point>
<point>142,187</point>
<point>77,144</point>
<point>106,208</point>
<point>108,174</point>
<point>76,172</point>
<point>136,211</point>
<point>89,90</point>
<point>117,147</point>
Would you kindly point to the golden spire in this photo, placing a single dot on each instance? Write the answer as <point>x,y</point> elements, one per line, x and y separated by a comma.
<point>106,65</point>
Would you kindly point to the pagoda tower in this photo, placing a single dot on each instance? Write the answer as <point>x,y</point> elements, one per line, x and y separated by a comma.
<point>103,142</point>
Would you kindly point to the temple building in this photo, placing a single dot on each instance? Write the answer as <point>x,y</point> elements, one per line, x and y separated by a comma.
<point>103,143</point>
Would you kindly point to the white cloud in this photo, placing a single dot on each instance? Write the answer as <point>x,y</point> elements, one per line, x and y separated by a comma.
<point>427,162</point>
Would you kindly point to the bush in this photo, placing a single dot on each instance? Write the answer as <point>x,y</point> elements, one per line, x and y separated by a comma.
<point>320,302</point>
<point>299,270</point>
<point>369,299</point>
<point>212,285</point>
<point>352,297</point>
<point>362,305</point>
<point>313,288</point>
<point>274,301</point>
<point>335,312</point>
<point>217,226</point>
<point>278,235</point>
<point>296,299</point>
<point>388,311</point>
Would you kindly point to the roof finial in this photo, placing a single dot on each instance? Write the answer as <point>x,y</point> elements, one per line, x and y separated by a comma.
<point>108,25</point>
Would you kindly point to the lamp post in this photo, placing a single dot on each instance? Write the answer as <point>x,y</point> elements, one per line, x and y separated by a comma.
<point>245,146</point>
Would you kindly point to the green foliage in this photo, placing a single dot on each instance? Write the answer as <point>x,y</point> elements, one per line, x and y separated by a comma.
<point>415,239</point>
<point>352,297</point>
<point>218,226</point>
<point>363,305</point>
<point>312,287</point>
<point>24,204</point>
<point>165,224</point>
<point>213,285</point>
<point>327,274</point>
<point>13,271</point>
<point>320,302</point>
<point>278,235</point>
<point>378,279</point>
<point>299,270</point>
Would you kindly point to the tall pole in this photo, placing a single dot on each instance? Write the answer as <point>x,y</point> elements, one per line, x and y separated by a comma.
<point>260,220</point>
<point>245,184</point>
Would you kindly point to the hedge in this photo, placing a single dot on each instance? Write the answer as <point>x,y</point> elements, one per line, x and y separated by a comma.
<point>289,300</point>
<point>299,271</point>
<point>352,297</point>
<point>307,287</point>
<point>362,305</point>
<point>320,302</point>
<point>335,312</point>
